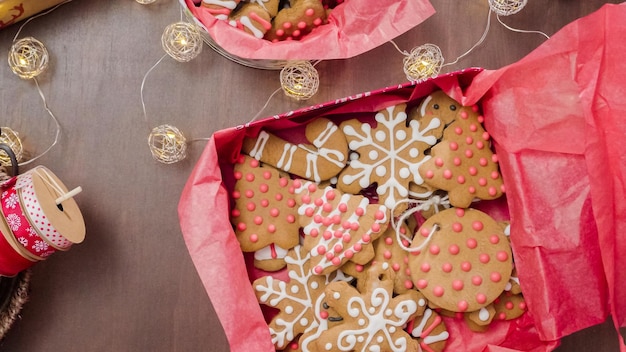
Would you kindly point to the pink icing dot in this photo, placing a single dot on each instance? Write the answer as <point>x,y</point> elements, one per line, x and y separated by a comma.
<point>323,315</point>
<point>469,140</point>
<point>460,212</point>
<point>395,267</point>
<point>494,158</point>
<point>454,249</point>
<point>429,174</point>
<point>354,226</point>
<point>481,119</point>
<point>471,243</point>
<point>318,219</point>
<point>267,175</point>
<point>329,255</point>
<point>469,153</point>
<point>492,191</point>
<point>471,189</point>
<point>346,238</point>
<point>321,250</point>
<point>438,291</point>
<point>477,280</point>
<point>327,235</point>
<point>290,203</point>
<point>306,199</point>
<point>457,285</point>
<point>439,162</point>
<point>254,238</point>
<point>387,254</point>
<point>309,12</point>
<point>296,33</point>
<point>447,174</point>
<point>317,21</point>
<point>258,220</point>
<point>338,248</point>
<point>319,202</point>
<point>458,130</point>
<point>482,162</point>
<point>271,228</point>
<point>481,298</point>
<point>421,284</point>
<point>446,267</point>
<point>494,175</point>
<point>343,207</point>
<point>485,135</point>
<point>274,212</point>
<point>279,197</point>
<point>280,32</point>
<point>425,231</point>
<point>425,267</point>
<point>472,170</point>
<point>366,238</point>
<point>484,258</point>
<point>327,207</point>
<point>495,277</point>
<point>359,211</point>
<point>236,195</point>
<point>454,146</point>
<point>265,203</point>
<point>502,256</point>
<point>302,25</point>
<point>456,161</point>
<point>480,145</point>
<point>338,233</point>
<point>522,305</point>
<point>287,25</point>
<point>466,266</point>
<point>434,249</point>
<point>477,225</point>
<point>464,114</point>
<point>388,241</point>
<point>357,247</point>
<point>494,239</point>
<point>408,284</point>
<point>349,254</point>
<point>238,175</point>
<point>460,179</point>
<point>482,181</point>
<point>375,227</point>
<point>254,163</point>
<point>502,316</point>
<point>241,226</point>
<point>309,212</point>
<point>235,213</point>
<point>457,227</point>
<point>379,215</point>
<point>284,181</point>
<point>250,177</point>
<point>502,188</point>
<point>251,206</point>
<point>473,127</point>
<point>318,269</point>
<point>509,305</point>
<point>359,268</point>
<point>314,232</point>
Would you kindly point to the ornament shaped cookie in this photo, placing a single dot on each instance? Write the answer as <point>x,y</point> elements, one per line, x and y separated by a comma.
<point>265,212</point>
<point>298,20</point>
<point>220,9</point>
<point>319,161</point>
<point>462,162</point>
<point>252,18</point>
<point>299,300</point>
<point>465,261</point>
<point>388,154</point>
<point>338,227</point>
<point>373,320</point>
<point>430,331</point>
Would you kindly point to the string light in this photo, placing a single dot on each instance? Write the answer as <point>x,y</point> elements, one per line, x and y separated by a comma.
<point>506,7</point>
<point>182,41</point>
<point>28,58</point>
<point>299,80</point>
<point>167,144</point>
<point>11,139</point>
<point>424,61</point>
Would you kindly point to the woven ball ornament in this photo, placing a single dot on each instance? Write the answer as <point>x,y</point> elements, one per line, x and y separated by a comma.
<point>28,58</point>
<point>167,144</point>
<point>506,7</point>
<point>299,80</point>
<point>423,62</point>
<point>182,41</point>
<point>12,140</point>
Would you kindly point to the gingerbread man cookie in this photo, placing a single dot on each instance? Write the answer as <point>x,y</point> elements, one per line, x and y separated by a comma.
<point>373,320</point>
<point>338,227</point>
<point>299,300</point>
<point>462,162</point>
<point>264,213</point>
<point>388,154</point>
<point>319,161</point>
<point>464,260</point>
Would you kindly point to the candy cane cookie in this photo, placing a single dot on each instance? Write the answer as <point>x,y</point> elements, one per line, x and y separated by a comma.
<point>319,161</point>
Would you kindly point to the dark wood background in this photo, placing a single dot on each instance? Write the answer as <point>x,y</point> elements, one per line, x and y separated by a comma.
<point>131,285</point>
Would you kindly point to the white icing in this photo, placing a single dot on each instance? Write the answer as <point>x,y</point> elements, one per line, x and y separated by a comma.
<point>247,23</point>
<point>424,105</point>
<point>483,314</point>
<point>419,330</point>
<point>229,4</point>
<point>265,253</point>
<point>392,158</point>
<point>261,141</point>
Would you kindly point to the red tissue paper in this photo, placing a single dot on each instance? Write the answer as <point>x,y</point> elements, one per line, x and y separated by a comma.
<point>556,118</point>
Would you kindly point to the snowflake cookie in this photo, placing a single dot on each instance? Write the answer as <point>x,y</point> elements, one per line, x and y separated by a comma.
<point>373,320</point>
<point>387,154</point>
<point>300,301</point>
<point>338,227</point>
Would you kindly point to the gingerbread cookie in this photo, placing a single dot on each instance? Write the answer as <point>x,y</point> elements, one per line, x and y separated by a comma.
<point>509,306</point>
<point>464,261</point>
<point>388,255</point>
<point>338,227</point>
<point>462,162</point>
<point>430,331</point>
<point>220,9</point>
<point>252,18</point>
<point>388,154</point>
<point>319,161</point>
<point>372,320</point>
<point>298,20</point>
<point>299,300</point>
<point>264,213</point>
<point>479,320</point>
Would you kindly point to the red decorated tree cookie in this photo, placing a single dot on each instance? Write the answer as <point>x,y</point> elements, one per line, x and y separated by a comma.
<point>338,227</point>
<point>264,214</point>
<point>463,163</point>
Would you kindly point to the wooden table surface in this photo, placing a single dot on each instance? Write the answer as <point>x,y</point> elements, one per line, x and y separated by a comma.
<point>131,286</point>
